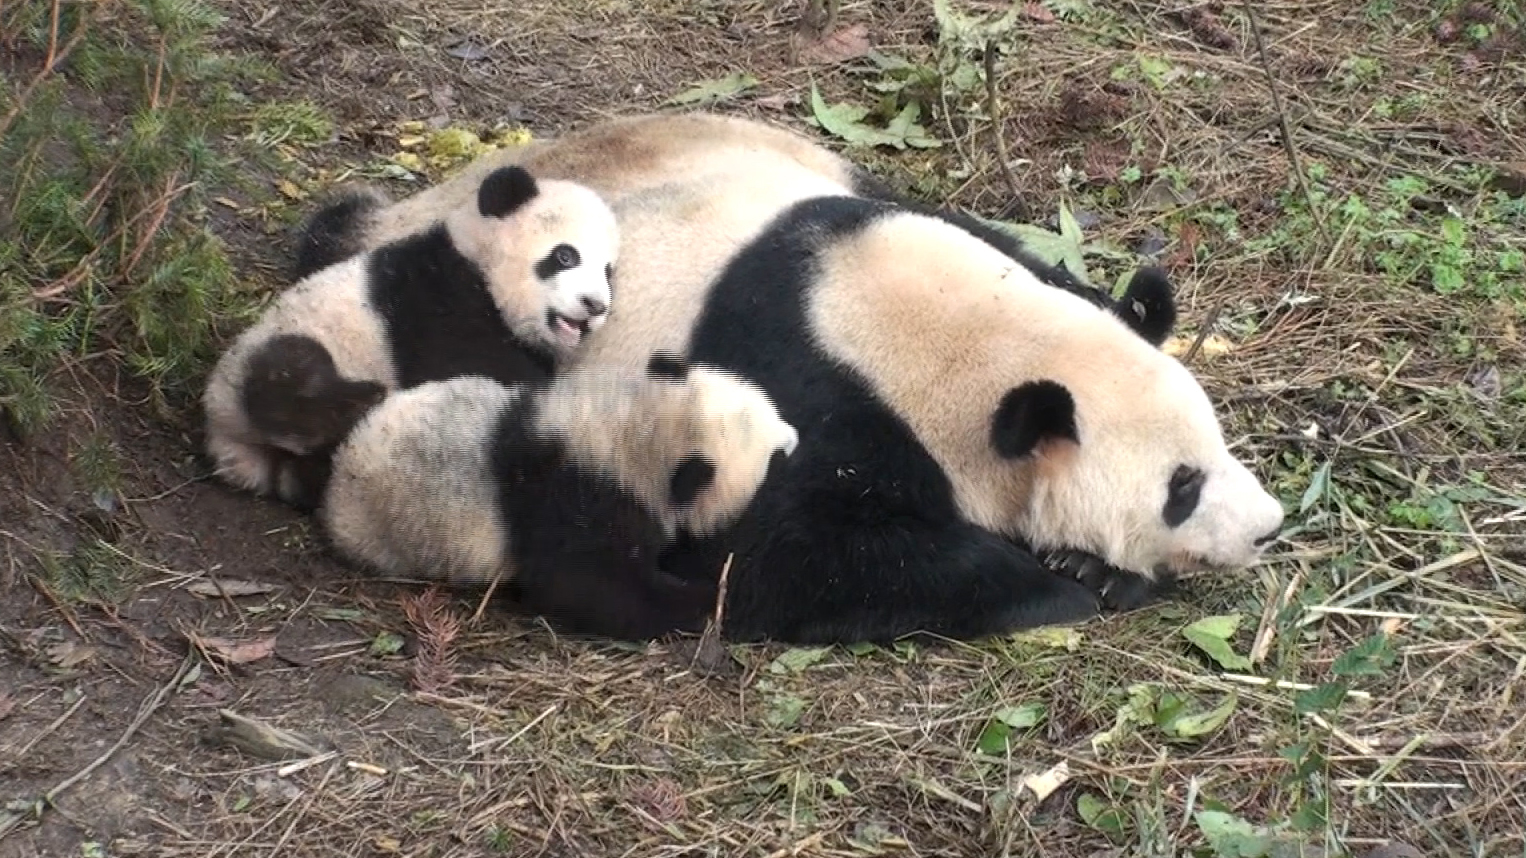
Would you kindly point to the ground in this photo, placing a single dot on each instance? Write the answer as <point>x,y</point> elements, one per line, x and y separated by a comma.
<point>1348,249</point>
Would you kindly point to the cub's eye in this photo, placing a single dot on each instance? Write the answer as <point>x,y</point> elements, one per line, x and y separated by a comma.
<point>609,271</point>
<point>1182,495</point>
<point>566,256</point>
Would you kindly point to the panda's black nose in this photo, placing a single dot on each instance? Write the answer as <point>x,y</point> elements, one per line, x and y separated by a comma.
<point>594,306</point>
<point>1267,539</point>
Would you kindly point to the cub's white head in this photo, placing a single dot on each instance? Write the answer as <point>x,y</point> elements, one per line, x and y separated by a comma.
<point>547,250</point>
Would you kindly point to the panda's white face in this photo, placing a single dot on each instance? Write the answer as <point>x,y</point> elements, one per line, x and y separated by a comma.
<point>548,250</point>
<point>739,431</point>
<point>1148,483</point>
<point>571,235</point>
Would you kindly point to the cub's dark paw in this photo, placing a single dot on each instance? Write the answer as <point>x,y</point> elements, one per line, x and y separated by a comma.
<point>689,603</point>
<point>1119,589</point>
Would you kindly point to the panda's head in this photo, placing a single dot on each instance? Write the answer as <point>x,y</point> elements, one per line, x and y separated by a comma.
<point>547,250</point>
<point>722,433</point>
<point>1119,450</point>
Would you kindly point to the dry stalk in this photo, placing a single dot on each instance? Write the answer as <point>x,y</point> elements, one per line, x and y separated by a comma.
<point>436,627</point>
<point>486,597</point>
<point>1282,122</point>
<point>1018,207</point>
<point>1208,323</point>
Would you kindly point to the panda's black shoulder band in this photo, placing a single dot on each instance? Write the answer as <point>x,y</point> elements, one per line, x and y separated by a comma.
<point>667,365</point>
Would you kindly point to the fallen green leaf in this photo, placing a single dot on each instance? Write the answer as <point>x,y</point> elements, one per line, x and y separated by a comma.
<point>715,90</point>
<point>798,659</point>
<point>993,739</point>
<point>1231,836</point>
<point>1102,816</point>
<point>905,126</point>
<point>1203,723</point>
<point>1319,484</point>
<point>387,643</point>
<point>1212,634</point>
<point>1321,698</point>
<point>846,121</point>
<point>1021,717</point>
<point>1370,657</point>
<point>784,711</point>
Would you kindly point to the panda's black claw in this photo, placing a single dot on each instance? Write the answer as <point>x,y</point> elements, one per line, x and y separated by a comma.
<point>1117,589</point>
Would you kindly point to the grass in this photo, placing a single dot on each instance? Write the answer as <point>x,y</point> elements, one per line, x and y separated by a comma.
<point>1353,299</point>
<point>116,114</point>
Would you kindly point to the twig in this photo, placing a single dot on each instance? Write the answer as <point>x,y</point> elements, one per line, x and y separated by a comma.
<point>1018,207</point>
<point>47,592</point>
<point>9,822</point>
<point>161,209</point>
<point>153,97</point>
<point>1208,323</point>
<point>57,722</point>
<point>70,280</point>
<point>1282,121</point>
<point>708,653</point>
<point>720,593</point>
<point>482,605</point>
<point>54,58</point>
<point>52,36</point>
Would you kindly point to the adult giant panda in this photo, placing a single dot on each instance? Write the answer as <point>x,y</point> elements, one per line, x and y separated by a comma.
<point>672,155</point>
<point>507,285</point>
<point>958,414</point>
<point>568,489</point>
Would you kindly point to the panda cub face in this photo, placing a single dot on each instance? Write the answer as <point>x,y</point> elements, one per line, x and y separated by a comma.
<point>547,250</point>
<point>734,434</point>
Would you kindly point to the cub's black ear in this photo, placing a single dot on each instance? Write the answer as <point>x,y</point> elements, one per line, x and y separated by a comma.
<point>1147,306</point>
<point>667,365</point>
<point>504,190</point>
<point>1031,413</point>
<point>693,475</point>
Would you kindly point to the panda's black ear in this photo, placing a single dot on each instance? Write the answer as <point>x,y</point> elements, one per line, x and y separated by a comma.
<point>693,475</point>
<point>1147,306</point>
<point>504,190</point>
<point>667,365</point>
<point>1031,413</point>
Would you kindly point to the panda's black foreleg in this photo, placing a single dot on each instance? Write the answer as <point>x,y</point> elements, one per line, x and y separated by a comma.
<point>1119,589</point>
<point>809,581</point>
<point>613,601</point>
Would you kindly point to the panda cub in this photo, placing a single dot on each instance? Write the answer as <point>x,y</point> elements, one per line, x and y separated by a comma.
<point>507,286</point>
<point>568,490</point>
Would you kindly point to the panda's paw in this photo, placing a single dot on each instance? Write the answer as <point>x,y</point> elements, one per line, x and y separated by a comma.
<point>1117,589</point>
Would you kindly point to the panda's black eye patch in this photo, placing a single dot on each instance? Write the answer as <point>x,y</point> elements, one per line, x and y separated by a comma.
<point>561,258</point>
<point>1182,495</point>
<point>609,272</point>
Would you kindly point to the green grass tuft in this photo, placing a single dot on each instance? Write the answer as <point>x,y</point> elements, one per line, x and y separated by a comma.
<point>107,245</point>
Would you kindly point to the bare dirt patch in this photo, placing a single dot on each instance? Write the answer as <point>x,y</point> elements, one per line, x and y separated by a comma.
<point>1371,362</point>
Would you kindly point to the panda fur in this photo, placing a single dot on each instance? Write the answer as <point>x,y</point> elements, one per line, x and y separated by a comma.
<point>631,158</point>
<point>569,489</point>
<point>963,410</point>
<point>508,285</point>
